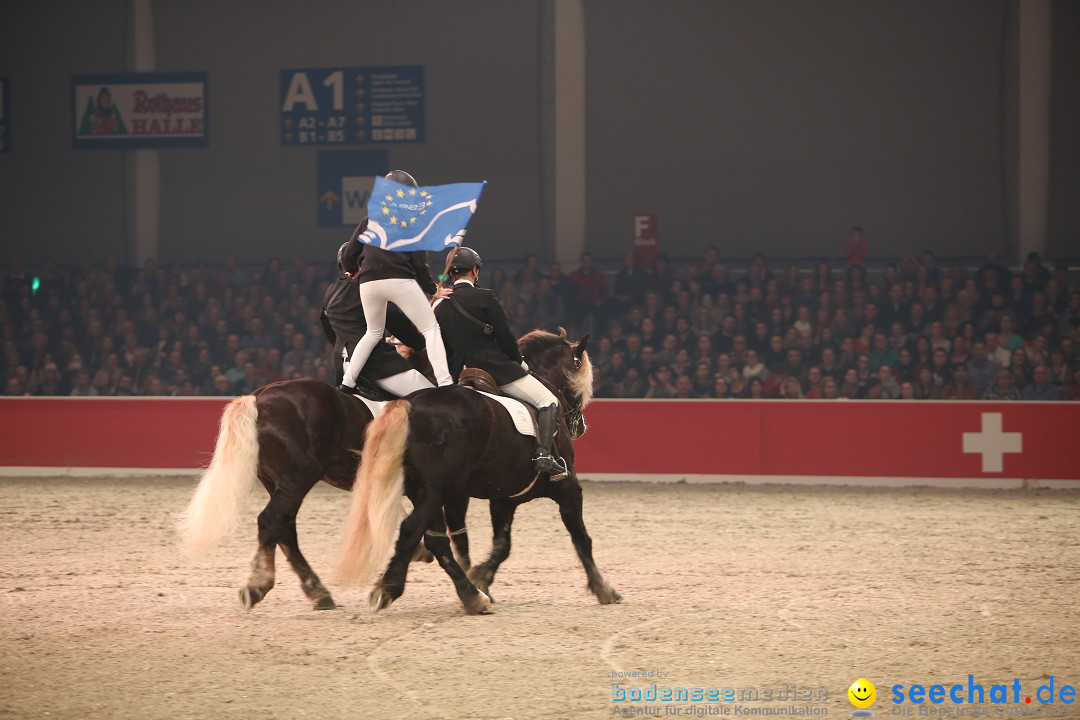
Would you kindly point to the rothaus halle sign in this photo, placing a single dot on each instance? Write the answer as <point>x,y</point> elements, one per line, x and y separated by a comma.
<point>139,110</point>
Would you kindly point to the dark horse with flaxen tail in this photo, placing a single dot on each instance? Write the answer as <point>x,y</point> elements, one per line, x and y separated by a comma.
<point>288,436</point>
<point>444,444</point>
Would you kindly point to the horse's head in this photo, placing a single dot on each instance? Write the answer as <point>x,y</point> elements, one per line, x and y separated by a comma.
<point>565,365</point>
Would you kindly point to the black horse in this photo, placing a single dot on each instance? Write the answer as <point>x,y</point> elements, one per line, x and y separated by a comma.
<point>288,436</point>
<point>442,445</point>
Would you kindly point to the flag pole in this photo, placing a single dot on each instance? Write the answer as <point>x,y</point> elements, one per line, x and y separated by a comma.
<point>446,270</point>
<point>449,261</point>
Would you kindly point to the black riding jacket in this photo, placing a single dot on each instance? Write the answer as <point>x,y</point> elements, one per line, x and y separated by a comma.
<point>343,323</point>
<point>379,264</point>
<point>466,343</point>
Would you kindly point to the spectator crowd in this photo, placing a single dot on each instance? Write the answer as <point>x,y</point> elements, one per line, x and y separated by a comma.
<point>911,330</point>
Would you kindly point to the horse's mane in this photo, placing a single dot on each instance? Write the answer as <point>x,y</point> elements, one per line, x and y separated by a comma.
<point>535,342</point>
<point>539,344</point>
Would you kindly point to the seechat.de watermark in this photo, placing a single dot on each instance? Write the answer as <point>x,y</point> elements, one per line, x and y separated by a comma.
<point>973,698</point>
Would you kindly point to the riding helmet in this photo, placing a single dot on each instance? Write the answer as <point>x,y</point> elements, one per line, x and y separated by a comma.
<point>400,176</point>
<point>465,260</point>
<point>348,256</point>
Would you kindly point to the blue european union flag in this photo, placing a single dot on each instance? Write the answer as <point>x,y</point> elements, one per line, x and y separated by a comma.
<point>404,218</point>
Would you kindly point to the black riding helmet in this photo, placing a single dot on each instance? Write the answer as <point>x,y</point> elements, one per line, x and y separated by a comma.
<point>465,260</point>
<point>400,176</point>
<point>348,256</point>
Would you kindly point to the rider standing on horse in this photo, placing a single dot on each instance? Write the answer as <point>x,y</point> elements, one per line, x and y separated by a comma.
<point>343,322</point>
<point>401,278</point>
<point>477,335</point>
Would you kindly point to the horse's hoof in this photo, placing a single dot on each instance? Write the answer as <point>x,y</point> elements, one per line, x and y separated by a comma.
<point>325,603</point>
<point>483,587</point>
<point>379,599</point>
<point>248,598</point>
<point>479,605</point>
<point>609,596</point>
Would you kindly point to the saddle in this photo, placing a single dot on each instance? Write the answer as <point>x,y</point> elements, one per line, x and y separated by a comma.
<point>478,379</point>
<point>524,416</point>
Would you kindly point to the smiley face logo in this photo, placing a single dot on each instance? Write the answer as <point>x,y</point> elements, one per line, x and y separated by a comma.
<point>862,693</point>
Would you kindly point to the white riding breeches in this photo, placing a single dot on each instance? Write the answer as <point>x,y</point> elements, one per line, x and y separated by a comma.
<point>530,390</point>
<point>408,296</point>
<point>404,383</point>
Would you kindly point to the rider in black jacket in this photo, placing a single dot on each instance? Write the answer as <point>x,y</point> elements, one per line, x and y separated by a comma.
<point>493,348</point>
<point>343,322</point>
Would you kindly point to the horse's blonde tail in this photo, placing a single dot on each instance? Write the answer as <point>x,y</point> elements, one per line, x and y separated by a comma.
<point>375,511</point>
<point>215,507</point>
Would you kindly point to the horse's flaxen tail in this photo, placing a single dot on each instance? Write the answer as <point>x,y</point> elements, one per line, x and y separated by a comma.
<point>215,507</point>
<point>375,511</point>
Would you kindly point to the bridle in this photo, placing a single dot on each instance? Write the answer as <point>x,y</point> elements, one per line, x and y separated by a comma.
<point>574,415</point>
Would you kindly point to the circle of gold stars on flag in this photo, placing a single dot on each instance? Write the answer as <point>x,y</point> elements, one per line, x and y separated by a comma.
<point>403,207</point>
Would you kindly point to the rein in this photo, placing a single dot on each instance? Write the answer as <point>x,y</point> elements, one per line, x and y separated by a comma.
<point>574,419</point>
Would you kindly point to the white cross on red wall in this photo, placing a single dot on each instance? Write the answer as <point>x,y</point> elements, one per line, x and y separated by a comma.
<point>992,443</point>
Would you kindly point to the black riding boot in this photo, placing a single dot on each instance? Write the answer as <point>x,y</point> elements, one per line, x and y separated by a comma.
<point>543,460</point>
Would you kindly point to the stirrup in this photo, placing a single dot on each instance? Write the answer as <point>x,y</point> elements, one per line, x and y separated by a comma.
<point>545,462</point>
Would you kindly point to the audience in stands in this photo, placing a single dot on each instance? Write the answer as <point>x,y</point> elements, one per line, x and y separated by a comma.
<point>909,330</point>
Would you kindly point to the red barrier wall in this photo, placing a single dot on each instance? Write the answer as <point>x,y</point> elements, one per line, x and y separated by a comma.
<point>830,438</point>
<point>812,438</point>
<point>108,432</point>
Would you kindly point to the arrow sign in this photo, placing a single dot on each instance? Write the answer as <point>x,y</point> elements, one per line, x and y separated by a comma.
<point>329,199</point>
<point>343,182</point>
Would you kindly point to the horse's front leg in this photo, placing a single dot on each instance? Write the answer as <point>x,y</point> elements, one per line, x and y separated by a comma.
<point>502,517</point>
<point>567,493</point>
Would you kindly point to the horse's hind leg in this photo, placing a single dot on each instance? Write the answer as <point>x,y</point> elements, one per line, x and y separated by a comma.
<point>567,493</point>
<point>454,513</point>
<point>309,581</point>
<point>261,579</point>
<point>392,583</point>
<point>277,526</point>
<point>474,600</point>
<point>502,517</point>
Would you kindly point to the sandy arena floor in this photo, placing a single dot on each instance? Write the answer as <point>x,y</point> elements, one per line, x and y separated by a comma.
<point>724,586</point>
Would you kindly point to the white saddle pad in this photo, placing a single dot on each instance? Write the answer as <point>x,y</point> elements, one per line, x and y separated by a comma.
<point>519,413</point>
<point>375,406</point>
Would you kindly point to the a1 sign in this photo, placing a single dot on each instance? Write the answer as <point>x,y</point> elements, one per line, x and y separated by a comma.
<point>646,239</point>
<point>352,105</point>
